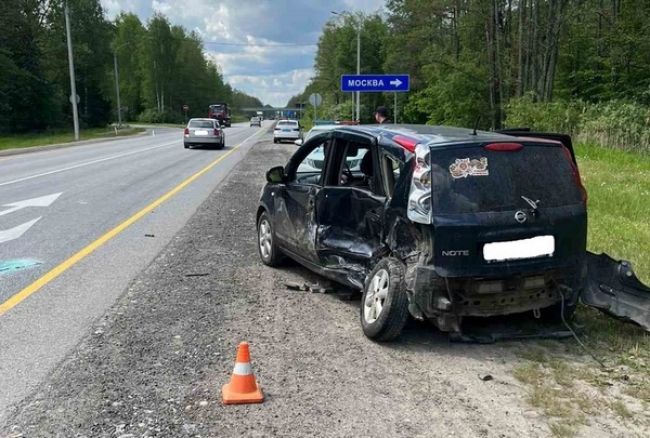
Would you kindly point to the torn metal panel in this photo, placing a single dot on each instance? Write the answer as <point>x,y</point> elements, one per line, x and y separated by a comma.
<point>613,288</point>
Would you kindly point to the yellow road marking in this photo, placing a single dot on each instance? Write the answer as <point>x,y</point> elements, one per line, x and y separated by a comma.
<point>76,258</point>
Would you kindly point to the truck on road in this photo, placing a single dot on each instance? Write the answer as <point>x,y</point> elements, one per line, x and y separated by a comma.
<point>220,112</point>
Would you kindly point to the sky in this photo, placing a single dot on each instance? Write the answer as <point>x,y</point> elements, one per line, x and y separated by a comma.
<point>251,60</point>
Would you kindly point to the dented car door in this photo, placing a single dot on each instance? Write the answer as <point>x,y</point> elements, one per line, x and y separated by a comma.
<point>349,211</point>
<point>295,202</point>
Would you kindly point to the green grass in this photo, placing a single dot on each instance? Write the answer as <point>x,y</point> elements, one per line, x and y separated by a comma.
<point>47,138</point>
<point>618,183</point>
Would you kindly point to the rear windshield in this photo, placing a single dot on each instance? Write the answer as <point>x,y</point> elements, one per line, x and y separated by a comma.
<point>201,124</point>
<point>287,123</point>
<point>466,180</point>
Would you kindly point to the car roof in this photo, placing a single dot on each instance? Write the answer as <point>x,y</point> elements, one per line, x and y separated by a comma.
<point>201,119</point>
<point>287,120</point>
<point>427,134</point>
<point>324,127</point>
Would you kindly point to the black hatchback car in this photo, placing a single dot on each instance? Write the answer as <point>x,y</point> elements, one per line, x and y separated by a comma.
<point>439,223</point>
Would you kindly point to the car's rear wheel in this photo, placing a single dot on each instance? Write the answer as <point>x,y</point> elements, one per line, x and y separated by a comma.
<point>269,252</point>
<point>384,306</point>
<point>186,146</point>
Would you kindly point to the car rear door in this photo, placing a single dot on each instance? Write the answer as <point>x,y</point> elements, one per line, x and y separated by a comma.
<point>506,208</point>
<point>349,213</point>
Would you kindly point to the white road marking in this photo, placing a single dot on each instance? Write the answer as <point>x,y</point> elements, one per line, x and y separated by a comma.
<point>15,232</point>
<point>43,201</point>
<point>85,163</point>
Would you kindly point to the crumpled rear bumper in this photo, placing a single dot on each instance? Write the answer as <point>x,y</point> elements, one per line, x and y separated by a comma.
<point>613,288</point>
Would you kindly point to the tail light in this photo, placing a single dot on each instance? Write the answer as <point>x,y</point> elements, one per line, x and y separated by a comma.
<point>216,132</point>
<point>419,205</point>
<point>186,131</point>
<point>504,147</point>
<point>407,143</point>
<point>576,174</point>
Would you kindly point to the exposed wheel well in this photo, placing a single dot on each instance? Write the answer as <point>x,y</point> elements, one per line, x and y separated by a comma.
<point>260,210</point>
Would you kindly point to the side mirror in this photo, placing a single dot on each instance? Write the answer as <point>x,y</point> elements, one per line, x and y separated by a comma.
<point>298,142</point>
<point>275,175</point>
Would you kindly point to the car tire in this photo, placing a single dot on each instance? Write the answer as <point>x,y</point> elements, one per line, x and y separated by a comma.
<point>384,305</point>
<point>186,146</point>
<point>275,140</point>
<point>269,252</point>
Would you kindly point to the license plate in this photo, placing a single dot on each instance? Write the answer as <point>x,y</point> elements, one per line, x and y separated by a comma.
<point>540,246</point>
<point>286,130</point>
<point>200,132</point>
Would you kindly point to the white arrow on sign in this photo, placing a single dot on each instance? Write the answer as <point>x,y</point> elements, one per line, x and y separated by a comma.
<point>43,201</point>
<point>16,232</point>
<point>395,82</point>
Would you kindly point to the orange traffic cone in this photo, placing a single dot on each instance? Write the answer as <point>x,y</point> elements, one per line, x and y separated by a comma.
<point>242,387</point>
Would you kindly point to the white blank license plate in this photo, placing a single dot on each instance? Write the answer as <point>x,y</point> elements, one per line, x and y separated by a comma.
<point>200,132</point>
<point>540,246</point>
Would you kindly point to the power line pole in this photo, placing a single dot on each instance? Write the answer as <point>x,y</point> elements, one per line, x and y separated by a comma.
<point>359,68</point>
<point>73,86</point>
<point>117,91</point>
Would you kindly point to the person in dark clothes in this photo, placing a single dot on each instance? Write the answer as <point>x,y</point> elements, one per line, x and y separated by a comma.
<point>381,115</point>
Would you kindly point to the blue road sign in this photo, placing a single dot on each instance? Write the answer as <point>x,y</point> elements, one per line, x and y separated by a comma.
<point>375,83</point>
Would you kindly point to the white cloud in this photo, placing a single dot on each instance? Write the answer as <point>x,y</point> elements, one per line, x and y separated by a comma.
<point>262,68</point>
<point>275,90</point>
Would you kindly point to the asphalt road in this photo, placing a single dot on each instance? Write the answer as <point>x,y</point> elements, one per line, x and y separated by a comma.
<point>153,364</point>
<point>55,203</point>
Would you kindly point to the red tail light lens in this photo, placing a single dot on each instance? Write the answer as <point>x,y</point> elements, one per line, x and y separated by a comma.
<point>407,143</point>
<point>216,132</point>
<point>504,147</point>
<point>186,131</point>
<point>576,174</point>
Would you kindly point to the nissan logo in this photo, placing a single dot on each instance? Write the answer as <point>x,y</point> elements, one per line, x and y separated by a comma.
<point>521,216</point>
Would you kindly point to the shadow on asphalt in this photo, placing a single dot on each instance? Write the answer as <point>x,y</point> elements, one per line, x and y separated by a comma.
<point>423,335</point>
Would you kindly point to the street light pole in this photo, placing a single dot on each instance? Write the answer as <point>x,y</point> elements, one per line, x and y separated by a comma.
<point>117,91</point>
<point>357,94</point>
<point>73,86</point>
<point>358,69</point>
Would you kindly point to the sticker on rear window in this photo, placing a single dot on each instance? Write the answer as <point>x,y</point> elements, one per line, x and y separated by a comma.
<point>464,167</point>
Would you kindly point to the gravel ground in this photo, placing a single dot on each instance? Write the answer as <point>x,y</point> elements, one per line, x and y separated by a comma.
<point>155,363</point>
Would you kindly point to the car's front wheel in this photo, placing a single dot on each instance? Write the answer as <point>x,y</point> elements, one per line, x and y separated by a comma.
<point>269,252</point>
<point>384,306</point>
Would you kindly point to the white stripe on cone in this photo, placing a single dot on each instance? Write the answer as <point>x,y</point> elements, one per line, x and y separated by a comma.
<point>242,369</point>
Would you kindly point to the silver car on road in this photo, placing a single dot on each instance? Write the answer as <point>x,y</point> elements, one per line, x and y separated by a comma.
<point>204,132</point>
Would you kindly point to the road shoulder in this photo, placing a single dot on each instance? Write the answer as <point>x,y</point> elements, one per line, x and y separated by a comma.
<point>155,363</point>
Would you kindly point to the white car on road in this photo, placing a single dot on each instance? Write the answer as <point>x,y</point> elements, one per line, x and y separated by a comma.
<point>287,130</point>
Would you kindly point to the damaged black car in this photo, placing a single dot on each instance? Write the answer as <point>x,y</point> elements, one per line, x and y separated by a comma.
<point>443,224</point>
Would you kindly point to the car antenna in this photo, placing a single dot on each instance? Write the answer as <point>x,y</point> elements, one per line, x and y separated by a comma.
<point>478,119</point>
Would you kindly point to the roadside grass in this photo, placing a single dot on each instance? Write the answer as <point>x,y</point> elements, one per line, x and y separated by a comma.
<point>56,137</point>
<point>564,383</point>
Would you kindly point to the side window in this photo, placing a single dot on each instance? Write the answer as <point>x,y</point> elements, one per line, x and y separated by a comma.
<point>354,167</point>
<point>392,168</point>
<point>311,168</point>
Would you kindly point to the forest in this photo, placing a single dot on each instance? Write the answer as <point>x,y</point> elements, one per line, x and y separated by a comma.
<point>580,66</point>
<point>161,67</point>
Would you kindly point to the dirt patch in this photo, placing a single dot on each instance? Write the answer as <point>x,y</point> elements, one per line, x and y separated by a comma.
<point>154,365</point>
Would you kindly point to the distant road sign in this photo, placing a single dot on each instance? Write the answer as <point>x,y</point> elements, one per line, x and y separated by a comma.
<point>315,99</point>
<point>376,83</point>
<point>186,108</point>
